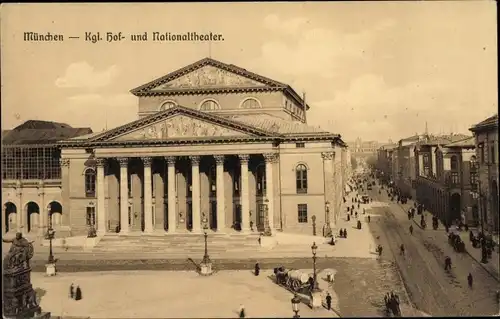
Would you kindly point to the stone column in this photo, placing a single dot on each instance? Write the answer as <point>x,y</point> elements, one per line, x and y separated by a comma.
<point>148,196</point>
<point>195,193</point>
<point>21,211</point>
<point>42,217</point>
<point>329,186</point>
<point>172,213</point>
<point>123,195</point>
<point>270,159</point>
<point>221,205</point>
<point>101,214</point>
<point>245,205</point>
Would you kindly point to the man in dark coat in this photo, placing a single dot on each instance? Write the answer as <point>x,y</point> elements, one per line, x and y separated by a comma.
<point>78,293</point>
<point>345,233</point>
<point>72,291</point>
<point>328,301</point>
<point>257,269</point>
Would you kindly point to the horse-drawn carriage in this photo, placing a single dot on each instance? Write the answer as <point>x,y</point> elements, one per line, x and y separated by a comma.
<point>294,280</point>
<point>457,242</point>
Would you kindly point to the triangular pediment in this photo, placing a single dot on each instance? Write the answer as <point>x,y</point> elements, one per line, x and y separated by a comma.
<point>179,126</point>
<point>208,76</point>
<point>180,123</point>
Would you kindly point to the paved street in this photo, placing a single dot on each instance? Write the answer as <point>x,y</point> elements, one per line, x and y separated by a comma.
<point>431,288</point>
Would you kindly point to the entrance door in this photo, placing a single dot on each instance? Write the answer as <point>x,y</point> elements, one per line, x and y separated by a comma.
<point>261,217</point>
<point>213,214</point>
<point>237,217</point>
<point>189,216</point>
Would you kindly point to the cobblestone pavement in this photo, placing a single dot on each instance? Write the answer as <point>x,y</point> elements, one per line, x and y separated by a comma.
<point>432,289</point>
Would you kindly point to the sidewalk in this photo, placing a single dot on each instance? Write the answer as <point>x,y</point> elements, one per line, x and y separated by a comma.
<point>492,267</point>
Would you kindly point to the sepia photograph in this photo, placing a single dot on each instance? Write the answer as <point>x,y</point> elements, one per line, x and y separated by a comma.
<point>250,159</point>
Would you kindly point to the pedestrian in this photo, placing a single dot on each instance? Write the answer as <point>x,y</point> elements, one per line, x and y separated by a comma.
<point>260,239</point>
<point>368,218</point>
<point>363,211</point>
<point>341,233</point>
<point>78,293</point>
<point>242,311</point>
<point>257,269</point>
<point>356,214</point>
<point>469,280</point>
<point>447,263</point>
<point>72,291</point>
<point>348,217</point>
<point>345,233</point>
<point>359,205</point>
<point>328,301</point>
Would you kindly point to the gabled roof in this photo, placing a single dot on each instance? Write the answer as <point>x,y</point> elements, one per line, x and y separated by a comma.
<point>490,122</point>
<point>270,84</point>
<point>41,132</point>
<point>465,143</point>
<point>434,140</point>
<point>106,135</point>
<point>262,127</point>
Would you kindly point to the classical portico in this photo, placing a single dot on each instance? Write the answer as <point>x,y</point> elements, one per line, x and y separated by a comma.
<point>185,192</point>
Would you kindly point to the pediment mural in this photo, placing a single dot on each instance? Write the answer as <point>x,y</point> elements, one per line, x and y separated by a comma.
<point>179,126</point>
<point>208,76</point>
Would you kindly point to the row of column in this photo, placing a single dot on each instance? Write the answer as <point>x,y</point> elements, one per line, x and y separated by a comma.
<point>171,189</point>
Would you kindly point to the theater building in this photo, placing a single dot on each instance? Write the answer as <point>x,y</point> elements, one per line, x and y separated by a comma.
<point>214,146</point>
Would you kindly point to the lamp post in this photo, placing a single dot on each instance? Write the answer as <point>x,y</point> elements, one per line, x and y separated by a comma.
<point>206,257</point>
<point>206,263</point>
<point>267,228</point>
<point>314,249</point>
<point>51,234</point>
<point>295,305</point>
<point>328,230</point>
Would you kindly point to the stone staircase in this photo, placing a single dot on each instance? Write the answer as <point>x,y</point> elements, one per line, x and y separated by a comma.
<point>177,245</point>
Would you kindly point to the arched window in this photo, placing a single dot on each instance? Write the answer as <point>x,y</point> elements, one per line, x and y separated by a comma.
<point>167,105</point>
<point>261,180</point>
<point>90,182</point>
<point>454,163</point>
<point>250,104</point>
<point>209,105</point>
<point>301,178</point>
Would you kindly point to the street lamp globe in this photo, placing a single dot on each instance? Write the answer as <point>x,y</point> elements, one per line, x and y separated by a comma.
<point>314,248</point>
<point>295,303</point>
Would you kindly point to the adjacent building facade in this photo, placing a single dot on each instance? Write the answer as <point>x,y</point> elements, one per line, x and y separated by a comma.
<point>486,160</point>
<point>215,146</point>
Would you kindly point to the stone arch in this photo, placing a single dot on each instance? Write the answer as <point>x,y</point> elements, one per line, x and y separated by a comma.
<point>455,207</point>
<point>301,163</point>
<point>55,213</point>
<point>209,104</point>
<point>250,103</point>
<point>494,204</point>
<point>32,210</point>
<point>10,216</point>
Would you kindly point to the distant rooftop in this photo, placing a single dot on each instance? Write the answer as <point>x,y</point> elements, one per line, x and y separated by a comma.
<point>41,132</point>
<point>490,122</point>
<point>467,142</point>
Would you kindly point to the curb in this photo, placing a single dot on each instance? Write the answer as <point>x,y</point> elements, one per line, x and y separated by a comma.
<point>491,273</point>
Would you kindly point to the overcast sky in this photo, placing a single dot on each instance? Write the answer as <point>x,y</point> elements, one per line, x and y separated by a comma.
<point>370,70</point>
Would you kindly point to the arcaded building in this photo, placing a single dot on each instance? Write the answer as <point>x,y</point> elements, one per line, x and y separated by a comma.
<point>214,146</point>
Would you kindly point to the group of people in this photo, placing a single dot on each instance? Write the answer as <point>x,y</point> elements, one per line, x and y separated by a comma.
<point>457,242</point>
<point>75,294</point>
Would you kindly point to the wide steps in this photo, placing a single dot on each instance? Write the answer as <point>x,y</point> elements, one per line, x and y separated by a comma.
<point>181,244</point>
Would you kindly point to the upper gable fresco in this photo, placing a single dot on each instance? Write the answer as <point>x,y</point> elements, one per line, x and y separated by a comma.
<point>206,77</point>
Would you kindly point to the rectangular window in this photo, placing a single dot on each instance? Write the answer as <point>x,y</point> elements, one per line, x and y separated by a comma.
<point>455,178</point>
<point>302,213</point>
<point>473,181</point>
<point>300,145</point>
<point>481,152</point>
<point>90,216</point>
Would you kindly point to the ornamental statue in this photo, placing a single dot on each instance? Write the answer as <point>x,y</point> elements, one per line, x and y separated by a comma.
<point>19,297</point>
